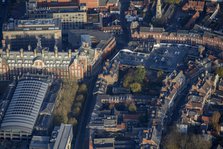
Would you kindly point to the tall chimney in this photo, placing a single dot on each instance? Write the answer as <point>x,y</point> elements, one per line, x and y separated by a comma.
<point>7,52</point>
<point>69,53</point>
<point>21,52</point>
<point>35,52</point>
<point>55,52</point>
<point>43,52</point>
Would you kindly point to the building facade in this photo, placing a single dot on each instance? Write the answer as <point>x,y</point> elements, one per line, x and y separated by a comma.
<point>184,37</point>
<point>71,17</point>
<point>18,34</point>
<point>75,64</point>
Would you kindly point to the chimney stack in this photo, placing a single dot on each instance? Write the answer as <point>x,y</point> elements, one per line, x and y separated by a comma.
<point>7,52</point>
<point>69,53</point>
<point>21,52</point>
<point>43,53</point>
<point>55,51</point>
<point>35,52</point>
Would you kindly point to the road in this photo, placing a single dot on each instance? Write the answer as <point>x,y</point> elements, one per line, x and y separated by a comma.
<point>82,137</point>
<point>85,116</point>
<point>125,26</point>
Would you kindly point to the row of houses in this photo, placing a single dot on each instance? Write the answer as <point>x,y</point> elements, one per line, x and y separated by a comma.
<point>181,36</point>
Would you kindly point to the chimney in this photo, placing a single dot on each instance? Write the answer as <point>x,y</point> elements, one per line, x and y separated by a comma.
<point>0,52</point>
<point>69,53</point>
<point>55,52</point>
<point>21,52</point>
<point>29,47</point>
<point>35,52</point>
<point>43,52</point>
<point>9,46</point>
<point>7,52</point>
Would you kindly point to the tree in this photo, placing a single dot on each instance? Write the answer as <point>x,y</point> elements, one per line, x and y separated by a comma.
<point>159,73</point>
<point>139,74</point>
<point>127,80</point>
<point>132,107</point>
<point>219,71</point>
<point>134,79</point>
<point>80,98</point>
<point>59,118</point>
<point>215,120</point>
<point>177,140</point>
<point>82,89</point>
<point>65,101</point>
<point>78,104</point>
<point>76,111</point>
<point>135,87</point>
<point>73,121</point>
<point>172,1</point>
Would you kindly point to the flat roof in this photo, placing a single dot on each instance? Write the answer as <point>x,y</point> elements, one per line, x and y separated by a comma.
<point>39,142</point>
<point>100,35</point>
<point>65,132</point>
<point>33,24</point>
<point>57,10</point>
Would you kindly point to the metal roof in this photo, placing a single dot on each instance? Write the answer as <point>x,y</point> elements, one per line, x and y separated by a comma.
<point>24,107</point>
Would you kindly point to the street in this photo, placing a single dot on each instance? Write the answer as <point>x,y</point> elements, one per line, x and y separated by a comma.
<point>81,137</point>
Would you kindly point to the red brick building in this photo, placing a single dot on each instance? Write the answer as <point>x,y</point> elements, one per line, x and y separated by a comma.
<point>205,39</point>
<point>194,5</point>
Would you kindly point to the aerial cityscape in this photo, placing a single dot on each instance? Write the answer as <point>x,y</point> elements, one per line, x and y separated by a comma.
<point>111,74</point>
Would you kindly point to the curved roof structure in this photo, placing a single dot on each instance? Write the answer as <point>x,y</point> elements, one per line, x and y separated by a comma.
<point>24,107</point>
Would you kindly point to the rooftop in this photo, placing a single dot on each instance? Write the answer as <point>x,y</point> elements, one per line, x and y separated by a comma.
<point>34,24</point>
<point>65,134</point>
<point>24,107</point>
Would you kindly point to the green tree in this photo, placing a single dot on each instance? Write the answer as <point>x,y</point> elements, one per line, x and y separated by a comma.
<point>65,101</point>
<point>159,73</point>
<point>76,111</point>
<point>177,140</point>
<point>172,1</point>
<point>135,87</point>
<point>80,98</point>
<point>82,89</point>
<point>134,76</point>
<point>78,104</point>
<point>132,107</point>
<point>127,80</point>
<point>139,74</point>
<point>215,120</point>
<point>59,118</point>
<point>73,121</point>
<point>219,71</point>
